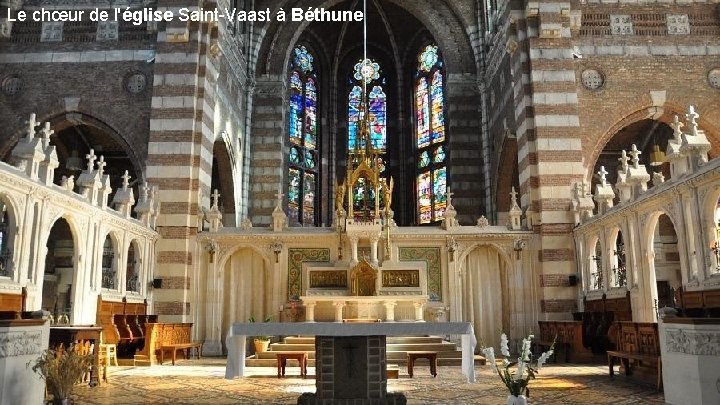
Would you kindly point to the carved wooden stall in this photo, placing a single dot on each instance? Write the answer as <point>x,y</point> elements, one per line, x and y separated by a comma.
<point>698,303</point>
<point>122,324</point>
<point>598,321</point>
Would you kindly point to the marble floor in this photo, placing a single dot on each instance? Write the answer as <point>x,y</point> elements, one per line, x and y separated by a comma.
<point>203,382</point>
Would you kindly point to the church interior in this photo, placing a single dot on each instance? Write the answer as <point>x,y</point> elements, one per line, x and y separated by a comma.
<point>378,196</point>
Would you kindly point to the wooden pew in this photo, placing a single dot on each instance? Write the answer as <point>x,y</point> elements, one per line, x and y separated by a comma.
<point>161,338</point>
<point>638,345</point>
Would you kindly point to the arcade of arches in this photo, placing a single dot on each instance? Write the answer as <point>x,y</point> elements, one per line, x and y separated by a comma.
<point>478,161</point>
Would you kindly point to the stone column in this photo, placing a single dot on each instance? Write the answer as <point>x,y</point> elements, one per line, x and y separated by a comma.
<point>339,305</point>
<point>419,312</point>
<point>353,250</point>
<point>390,311</point>
<point>310,311</point>
<point>374,250</point>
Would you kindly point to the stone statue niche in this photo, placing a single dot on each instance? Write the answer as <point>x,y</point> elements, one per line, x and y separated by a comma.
<point>362,279</point>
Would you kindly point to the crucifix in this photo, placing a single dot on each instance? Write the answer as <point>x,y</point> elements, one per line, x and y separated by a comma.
<point>691,118</point>
<point>624,161</point>
<point>677,128</point>
<point>603,176</point>
<point>145,188</point>
<point>279,196</point>
<point>32,123</point>
<point>46,131</point>
<point>91,160</point>
<point>635,153</point>
<point>126,180</point>
<point>215,198</point>
<point>513,197</point>
<point>101,165</point>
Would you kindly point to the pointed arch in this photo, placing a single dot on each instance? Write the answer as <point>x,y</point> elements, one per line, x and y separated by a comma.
<point>430,135</point>
<point>303,129</point>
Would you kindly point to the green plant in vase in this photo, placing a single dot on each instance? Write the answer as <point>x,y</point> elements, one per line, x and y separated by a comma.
<point>261,342</point>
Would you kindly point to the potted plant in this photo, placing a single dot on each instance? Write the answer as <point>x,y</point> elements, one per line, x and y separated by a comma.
<point>61,370</point>
<point>261,342</point>
<point>517,381</point>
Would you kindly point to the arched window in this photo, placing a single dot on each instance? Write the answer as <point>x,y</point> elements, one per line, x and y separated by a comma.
<point>302,134</point>
<point>108,264</point>
<point>132,270</point>
<point>377,107</point>
<point>430,136</point>
<point>367,74</point>
<point>5,249</point>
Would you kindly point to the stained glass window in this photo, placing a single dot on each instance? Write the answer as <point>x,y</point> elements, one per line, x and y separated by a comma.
<point>303,136</point>
<point>353,114</point>
<point>430,135</point>
<point>377,105</point>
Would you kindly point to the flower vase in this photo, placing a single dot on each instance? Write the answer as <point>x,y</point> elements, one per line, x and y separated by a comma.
<point>516,400</point>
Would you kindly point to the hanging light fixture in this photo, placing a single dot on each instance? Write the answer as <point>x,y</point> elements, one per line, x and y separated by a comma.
<point>73,163</point>
<point>657,157</point>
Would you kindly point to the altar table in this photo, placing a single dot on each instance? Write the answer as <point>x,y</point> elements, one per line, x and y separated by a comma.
<point>236,337</point>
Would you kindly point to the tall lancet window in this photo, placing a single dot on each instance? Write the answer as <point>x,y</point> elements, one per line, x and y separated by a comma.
<point>303,134</point>
<point>364,194</point>
<point>377,106</point>
<point>430,136</point>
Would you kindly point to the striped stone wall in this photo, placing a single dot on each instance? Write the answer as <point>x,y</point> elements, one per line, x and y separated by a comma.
<point>549,152</point>
<point>180,154</point>
<point>267,173</point>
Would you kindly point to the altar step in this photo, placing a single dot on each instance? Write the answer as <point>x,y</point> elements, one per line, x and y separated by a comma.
<point>397,348</point>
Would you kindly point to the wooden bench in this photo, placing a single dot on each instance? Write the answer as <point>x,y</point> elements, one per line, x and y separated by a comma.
<point>283,357</point>
<point>185,347</point>
<point>637,341</point>
<point>431,356</point>
<point>392,371</point>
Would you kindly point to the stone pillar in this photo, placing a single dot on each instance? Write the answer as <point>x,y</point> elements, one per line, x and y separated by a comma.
<point>353,250</point>
<point>339,305</point>
<point>390,311</point>
<point>544,121</point>
<point>374,250</point>
<point>310,311</point>
<point>267,136</point>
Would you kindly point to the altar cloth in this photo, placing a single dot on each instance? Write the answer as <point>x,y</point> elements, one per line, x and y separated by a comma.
<point>236,337</point>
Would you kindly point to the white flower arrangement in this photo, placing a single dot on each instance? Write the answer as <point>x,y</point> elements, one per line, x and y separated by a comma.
<point>517,382</point>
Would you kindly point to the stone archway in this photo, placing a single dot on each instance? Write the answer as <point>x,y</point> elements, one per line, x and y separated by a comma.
<point>665,264</point>
<point>60,276</point>
<point>247,287</point>
<point>8,235</point>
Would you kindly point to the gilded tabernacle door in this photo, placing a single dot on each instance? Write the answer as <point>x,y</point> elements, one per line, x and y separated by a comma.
<point>362,279</point>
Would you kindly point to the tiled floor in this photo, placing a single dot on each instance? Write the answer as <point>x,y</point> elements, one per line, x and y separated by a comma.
<point>203,382</point>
